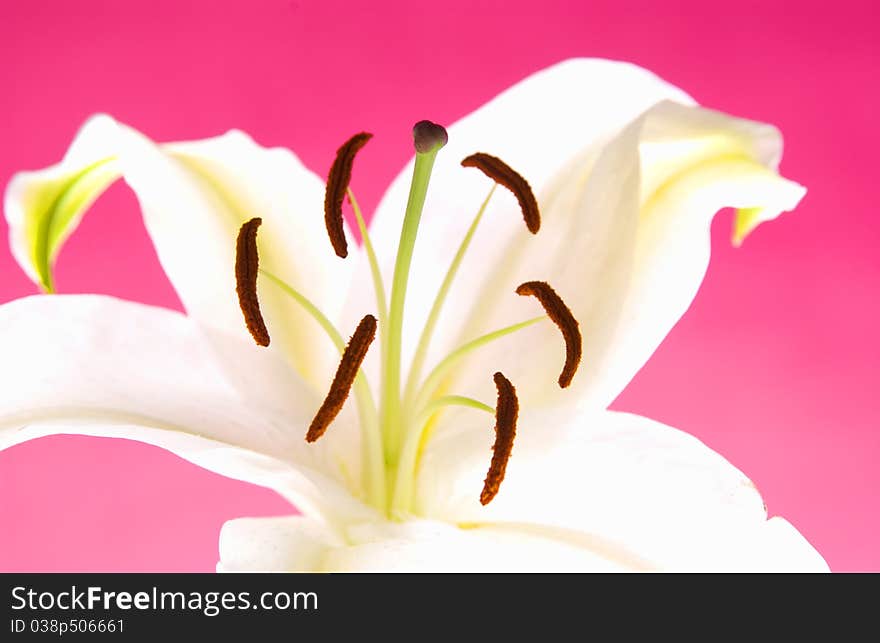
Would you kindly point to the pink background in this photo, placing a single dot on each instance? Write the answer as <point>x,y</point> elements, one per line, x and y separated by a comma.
<point>774,365</point>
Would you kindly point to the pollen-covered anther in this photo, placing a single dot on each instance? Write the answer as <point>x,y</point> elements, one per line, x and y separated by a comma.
<point>337,184</point>
<point>351,361</point>
<point>247,266</point>
<point>502,173</point>
<point>560,314</point>
<point>506,413</point>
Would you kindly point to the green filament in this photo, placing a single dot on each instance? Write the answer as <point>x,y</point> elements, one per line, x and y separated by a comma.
<point>374,470</point>
<point>428,332</point>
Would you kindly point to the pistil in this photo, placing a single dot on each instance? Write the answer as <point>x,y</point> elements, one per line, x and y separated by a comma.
<point>428,138</point>
<point>394,434</point>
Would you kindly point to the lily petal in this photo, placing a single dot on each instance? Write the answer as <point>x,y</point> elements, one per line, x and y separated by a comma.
<point>537,127</point>
<point>94,365</point>
<point>627,244</point>
<point>194,198</point>
<point>628,182</point>
<point>428,546</point>
<point>295,543</point>
<point>693,163</point>
<point>278,544</point>
<point>647,491</point>
<point>44,207</point>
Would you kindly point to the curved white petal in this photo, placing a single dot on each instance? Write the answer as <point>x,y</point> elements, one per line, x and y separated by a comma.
<point>628,182</point>
<point>646,490</point>
<point>98,366</point>
<point>783,549</point>
<point>694,162</point>
<point>428,546</point>
<point>277,544</point>
<point>194,198</point>
<point>44,207</point>
<point>537,126</point>
<point>295,543</point>
<point>627,245</point>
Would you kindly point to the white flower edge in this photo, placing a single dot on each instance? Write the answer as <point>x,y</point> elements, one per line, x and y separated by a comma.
<point>629,174</point>
<point>194,197</point>
<point>665,160</point>
<point>95,365</point>
<point>686,507</point>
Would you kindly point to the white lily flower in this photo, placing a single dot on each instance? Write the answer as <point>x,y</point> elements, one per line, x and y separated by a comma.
<point>628,173</point>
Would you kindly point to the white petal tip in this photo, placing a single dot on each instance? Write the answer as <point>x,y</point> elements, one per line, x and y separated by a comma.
<point>783,197</point>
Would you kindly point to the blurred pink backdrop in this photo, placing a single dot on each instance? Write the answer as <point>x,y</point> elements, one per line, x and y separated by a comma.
<point>774,365</point>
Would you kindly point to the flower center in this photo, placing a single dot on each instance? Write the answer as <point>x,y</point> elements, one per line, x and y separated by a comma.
<point>394,432</point>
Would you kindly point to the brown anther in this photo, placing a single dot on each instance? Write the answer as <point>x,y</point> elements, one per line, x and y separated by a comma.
<point>348,367</point>
<point>561,315</point>
<point>506,412</point>
<point>502,173</point>
<point>337,184</point>
<point>247,265</point>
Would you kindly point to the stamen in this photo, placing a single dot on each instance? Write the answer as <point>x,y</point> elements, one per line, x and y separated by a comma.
<point>247,266</point>
<point>373,466</point>
<point>454,400</point>
<point>378,284</point>
<point>502,173</point>
<point>415,371</point>
<point>561,315</point>
<point>506,412</point>
<point>435,377</point>
<point>337,184</point>
<point>348,368</point>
